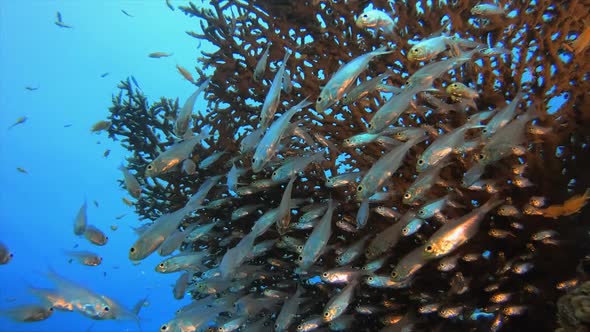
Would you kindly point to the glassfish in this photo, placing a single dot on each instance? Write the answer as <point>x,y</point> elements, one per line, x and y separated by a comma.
<point>80,298</point>
<point>343,79</point>
<point>181,125</point>
<point>407,267</point>
<point>81,220</point>
<point>338,304</point>
<point>272,100</point>
<point>131,183</point>
<point>383,169</point>
<point>28,313</point>
<point>268,146</point>
<point>158,55</point>
<point>456,232</point>
<point>185,261</point>
<point>288,311</point>
<point>173,156</point>
<point>185,73</point>
<point>153,237</point>
<point>317,241</point>
<point>95,236</point>
<point>261,65</point>
<point>375,19</point>
<point>365,88</point>
<point>85,257</point>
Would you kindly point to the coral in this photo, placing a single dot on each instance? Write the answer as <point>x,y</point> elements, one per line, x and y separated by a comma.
<point>574,309</point>
<point>323,36</point>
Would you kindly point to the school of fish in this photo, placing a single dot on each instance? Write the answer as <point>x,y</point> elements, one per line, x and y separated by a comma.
<point>280,232</point>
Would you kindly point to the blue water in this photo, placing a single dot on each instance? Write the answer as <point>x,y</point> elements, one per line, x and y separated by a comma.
<point>66,164</point>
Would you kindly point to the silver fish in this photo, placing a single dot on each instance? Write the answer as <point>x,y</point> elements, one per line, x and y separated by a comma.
<point>343,79</point>
<point>317,241</point>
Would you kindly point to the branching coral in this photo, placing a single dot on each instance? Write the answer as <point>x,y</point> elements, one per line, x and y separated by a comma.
<point>323,36</point>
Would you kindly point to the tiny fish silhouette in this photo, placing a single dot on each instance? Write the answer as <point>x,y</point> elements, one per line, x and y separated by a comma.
<point>169,4</point>
<point>60,23</point>
<point>19,121</point>
<point>126,13</point>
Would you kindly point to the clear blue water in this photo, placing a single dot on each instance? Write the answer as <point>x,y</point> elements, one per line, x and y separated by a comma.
<point>67,164</point>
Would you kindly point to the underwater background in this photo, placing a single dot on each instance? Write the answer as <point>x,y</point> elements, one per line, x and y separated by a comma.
<point>66,164</point>
<point>65,66</point>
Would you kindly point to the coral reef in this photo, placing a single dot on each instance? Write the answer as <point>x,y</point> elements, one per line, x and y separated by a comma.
<point>322,36</point>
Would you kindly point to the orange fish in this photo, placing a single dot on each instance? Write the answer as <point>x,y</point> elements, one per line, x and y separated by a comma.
<point>185,73</point>
<point>569,207</point>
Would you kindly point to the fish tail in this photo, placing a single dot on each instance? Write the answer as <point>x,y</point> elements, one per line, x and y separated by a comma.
<point>287,55</point>
<point>382,50</point>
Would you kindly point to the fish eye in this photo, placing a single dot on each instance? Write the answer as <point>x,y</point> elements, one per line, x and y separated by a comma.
<point>365,16</point>
<point>106,309</point>
<point>421,212</point>
<point>370,279</point>
<point>326,314</point>
<point>299,247</point>
<point>454,85</point>
<point>319,99</point>
<point>359,188</point>
<point>347,140</point>
<point>276,326</point>
<point>428,249</point>
<point>274,173</point>
<point>407,195</point>
<point>300,258</point>
<point>150,167</point>
<point>161,265</point>
<point>300,327</point>
<point>414,50</point>
<point>325,274</point>
<point>253,160</point>
<point>132,250</point>
<point>481,156</point>
<point>393,274</point>
<point>405,230</point>
<point>421,162</point>
<point>164,328</point>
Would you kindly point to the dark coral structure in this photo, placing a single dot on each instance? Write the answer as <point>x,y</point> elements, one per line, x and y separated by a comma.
<point>322,36</point>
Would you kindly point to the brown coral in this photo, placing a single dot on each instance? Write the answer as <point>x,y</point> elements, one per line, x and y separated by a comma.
<point>323,36</point>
